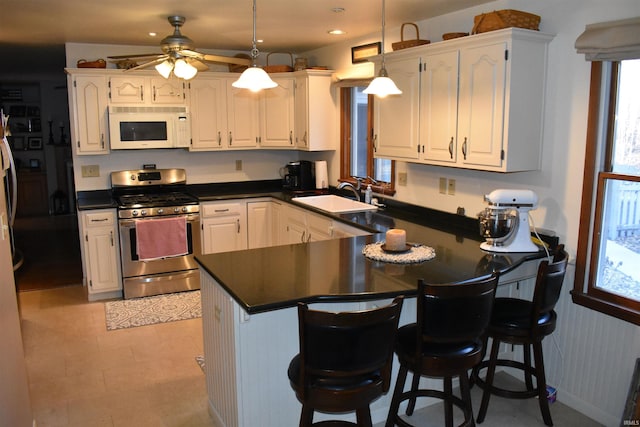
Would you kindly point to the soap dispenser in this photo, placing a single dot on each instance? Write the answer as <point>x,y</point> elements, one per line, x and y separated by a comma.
<point>368,194</point>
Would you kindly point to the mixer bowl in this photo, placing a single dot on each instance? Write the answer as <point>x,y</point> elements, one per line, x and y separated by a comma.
<point>497,225</point>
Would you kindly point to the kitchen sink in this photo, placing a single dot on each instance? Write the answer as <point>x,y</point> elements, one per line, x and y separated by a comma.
<point>334,204</point>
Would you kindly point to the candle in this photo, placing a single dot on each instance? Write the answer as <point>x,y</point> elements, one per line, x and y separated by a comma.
<point>396,239</point>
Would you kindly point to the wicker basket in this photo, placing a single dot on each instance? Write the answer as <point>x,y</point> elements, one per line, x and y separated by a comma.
<point>506,18</point>
<point>278,68</point>
<point>449,36</point>
<point>403,44</point>
<point>98,63</point>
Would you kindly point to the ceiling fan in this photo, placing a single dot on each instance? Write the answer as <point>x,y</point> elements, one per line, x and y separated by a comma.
<point>178,55</point>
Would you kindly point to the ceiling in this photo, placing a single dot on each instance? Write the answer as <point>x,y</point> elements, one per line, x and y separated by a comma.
<point>285,25</point>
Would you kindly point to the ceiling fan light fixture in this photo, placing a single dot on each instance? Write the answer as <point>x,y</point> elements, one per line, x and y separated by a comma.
<point>255,79</point>
<point>382,86</point>
<point>164,68</point>
<point>184,70</point>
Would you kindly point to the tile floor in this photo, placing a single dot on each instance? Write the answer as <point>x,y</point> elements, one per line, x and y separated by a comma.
<point>83,376</point>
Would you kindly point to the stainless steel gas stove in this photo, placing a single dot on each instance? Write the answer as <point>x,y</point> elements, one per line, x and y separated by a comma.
<point>159,225</point>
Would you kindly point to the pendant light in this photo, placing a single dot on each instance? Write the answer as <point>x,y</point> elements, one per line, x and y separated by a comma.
<point>254,78</point>
<point>382,85</point>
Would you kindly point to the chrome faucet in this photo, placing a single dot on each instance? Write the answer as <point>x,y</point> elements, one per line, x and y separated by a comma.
<point>349,186</point>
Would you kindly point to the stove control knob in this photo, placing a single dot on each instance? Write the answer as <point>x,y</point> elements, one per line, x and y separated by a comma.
<point>160,211</point>
<point>143,212</point>
<point>176,210</point>
<point>185,209</point>
<point>134,213</point>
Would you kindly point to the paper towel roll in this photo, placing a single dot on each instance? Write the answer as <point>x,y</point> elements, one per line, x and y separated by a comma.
<point>322,177</point>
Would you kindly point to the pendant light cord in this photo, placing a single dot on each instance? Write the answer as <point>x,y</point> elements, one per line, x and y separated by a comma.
<point>383,68</point>
<point>254,49</point>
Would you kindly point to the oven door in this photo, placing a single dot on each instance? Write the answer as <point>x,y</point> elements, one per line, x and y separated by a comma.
<point>132,266</point>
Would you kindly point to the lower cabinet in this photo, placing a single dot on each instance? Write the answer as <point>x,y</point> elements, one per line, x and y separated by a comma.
<point>224,226</point>
<point>101,254</point>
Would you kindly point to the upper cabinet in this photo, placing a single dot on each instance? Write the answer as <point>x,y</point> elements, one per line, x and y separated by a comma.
<point>88,113</point>
<point>479,102</point>
<point>146,90</point>
<point>316,111</point>
<point>208,106</point>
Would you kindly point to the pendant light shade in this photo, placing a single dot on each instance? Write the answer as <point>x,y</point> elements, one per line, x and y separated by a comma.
<point>382,85</point>
<point>254,78</point>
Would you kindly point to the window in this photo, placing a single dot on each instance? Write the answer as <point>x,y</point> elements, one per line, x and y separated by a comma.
<point>358,162</point>
<point>607,273</point>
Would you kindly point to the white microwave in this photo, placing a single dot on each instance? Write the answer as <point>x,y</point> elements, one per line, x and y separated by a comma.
<point>139,127</point>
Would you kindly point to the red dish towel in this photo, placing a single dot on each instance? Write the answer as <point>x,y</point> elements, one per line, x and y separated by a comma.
<point>161,238</point>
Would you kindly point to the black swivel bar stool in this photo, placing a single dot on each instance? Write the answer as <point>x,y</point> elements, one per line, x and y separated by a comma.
<point>526,323</point>
<point>344,362</point>
<point>445,342</point>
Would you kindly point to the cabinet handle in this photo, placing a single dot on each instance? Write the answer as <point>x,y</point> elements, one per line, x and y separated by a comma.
<point>100,220</point>
<point>238,223</point>
<point>221,210</point>
<point>219,138</point>
<point>451,148</point>
<point>111,236</point>
<point>375,143</point>
<point>101,141</point>
<point>309,237</point>
<point>304,138</point>
<point>154,93</point>
<point>302,237</point>
<point>230,138</point>
<point>464,148</point>
<point>290,137</point>
<point>141,94</point>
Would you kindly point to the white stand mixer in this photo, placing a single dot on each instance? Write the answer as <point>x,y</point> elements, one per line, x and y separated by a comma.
<point>505,222</point>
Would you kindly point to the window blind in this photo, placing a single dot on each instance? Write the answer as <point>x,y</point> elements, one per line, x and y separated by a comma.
<point>610,41</point>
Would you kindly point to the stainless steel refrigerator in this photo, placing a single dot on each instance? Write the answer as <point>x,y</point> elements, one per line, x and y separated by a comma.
<point>15,403</point>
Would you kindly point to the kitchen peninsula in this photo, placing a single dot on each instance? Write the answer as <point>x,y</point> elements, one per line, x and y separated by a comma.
<point>249,305</point>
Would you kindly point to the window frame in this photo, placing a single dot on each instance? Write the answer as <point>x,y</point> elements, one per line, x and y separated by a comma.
<point>597,169</point>
<point>345,146</point>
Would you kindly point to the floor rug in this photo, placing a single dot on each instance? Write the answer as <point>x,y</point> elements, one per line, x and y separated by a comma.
<point>151,310</point>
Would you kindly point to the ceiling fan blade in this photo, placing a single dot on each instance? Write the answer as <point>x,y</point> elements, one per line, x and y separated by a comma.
<point>142,55</point>
<point>215,58</point>
<point>150,63</point>
<point>200,66</point>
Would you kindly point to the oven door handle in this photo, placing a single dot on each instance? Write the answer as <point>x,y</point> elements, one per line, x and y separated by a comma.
<point>132,222</point>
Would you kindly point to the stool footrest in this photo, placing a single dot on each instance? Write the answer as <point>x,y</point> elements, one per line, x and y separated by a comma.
<point>468,415</point>
<point>509,394</point>
<point>334,424</point>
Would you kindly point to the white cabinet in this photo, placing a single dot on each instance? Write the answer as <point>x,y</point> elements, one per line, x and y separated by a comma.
<point>316,112</point>
<point>397,117</point>
<point>223,226</point>
<point>146,90</point>
<point>263,119</point>
<point>100,244</point>
<point>299,225</point>
<point>260,223</point>
<point>208,107</point>
<point>480,104</point>
<point>88,113</point>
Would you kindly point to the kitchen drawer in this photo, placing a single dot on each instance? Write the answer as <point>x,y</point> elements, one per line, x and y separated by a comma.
<point>210,210</point>
<point>99,219</point>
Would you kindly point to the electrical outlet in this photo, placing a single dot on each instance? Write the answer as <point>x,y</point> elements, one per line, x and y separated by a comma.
<point>443,185</point>
<point>238,165</point>
<point>452,187</point>
<point>90,171</point>
<point>402,178</point>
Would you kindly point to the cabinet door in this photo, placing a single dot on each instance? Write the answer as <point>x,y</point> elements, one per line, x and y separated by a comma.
<point>481,104</point>
<point>101,249</point>
<point>295,225</point>
<point>259,225</point>
<point>439,104</point>
<point>316,112</point>
<point>208,106</point>
<point>318,227</point>
<point>167,91</point>
<point>242,117</point>
<point>397,117</point>
<point>224,226</point>
<point>126,90</point>
<point>276,114</point>
<point>302,112</point>
<point>89,114</point>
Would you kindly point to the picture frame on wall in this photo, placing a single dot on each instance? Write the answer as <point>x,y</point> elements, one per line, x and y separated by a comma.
<point>363,52</point>
<point>35,143</point>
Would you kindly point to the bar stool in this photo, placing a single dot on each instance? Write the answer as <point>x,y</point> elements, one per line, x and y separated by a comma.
<point>344,362</point>
<point>526,323</point>
<point>445,342</point>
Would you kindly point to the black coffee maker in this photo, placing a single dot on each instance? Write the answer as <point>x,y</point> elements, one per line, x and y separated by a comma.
<point>299,176</point>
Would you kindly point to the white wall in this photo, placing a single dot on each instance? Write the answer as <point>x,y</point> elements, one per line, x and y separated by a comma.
<point>595,354</point>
